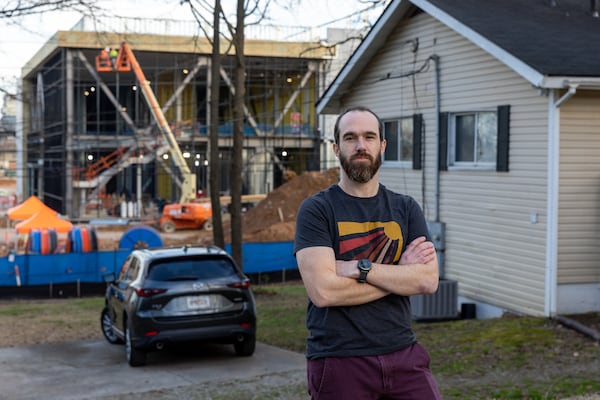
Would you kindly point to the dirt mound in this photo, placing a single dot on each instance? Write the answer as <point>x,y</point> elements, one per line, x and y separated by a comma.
<point>271,220</point>
<point>274,218</point>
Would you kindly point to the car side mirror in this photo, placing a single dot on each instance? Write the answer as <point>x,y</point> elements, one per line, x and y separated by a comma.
<point>109,277</point>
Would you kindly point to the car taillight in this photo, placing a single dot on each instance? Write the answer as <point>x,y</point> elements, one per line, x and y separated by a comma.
<point>149,292</point>
<point>245,284</point>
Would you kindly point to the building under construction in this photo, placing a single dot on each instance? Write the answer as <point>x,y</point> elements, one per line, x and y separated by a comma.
<point>90,137</point>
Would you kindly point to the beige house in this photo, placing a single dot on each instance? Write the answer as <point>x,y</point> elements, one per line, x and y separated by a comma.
<point>491,111</point>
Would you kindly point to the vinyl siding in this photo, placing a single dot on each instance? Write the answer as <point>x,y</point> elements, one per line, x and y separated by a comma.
<point>579,193</point>
<point>492,249</point>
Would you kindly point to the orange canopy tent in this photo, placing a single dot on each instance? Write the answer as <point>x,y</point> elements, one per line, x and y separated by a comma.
<point>27,209</point>
<point>45,218</point>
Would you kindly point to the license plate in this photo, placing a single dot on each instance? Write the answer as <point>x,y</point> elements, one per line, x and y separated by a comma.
<point>196,302</point>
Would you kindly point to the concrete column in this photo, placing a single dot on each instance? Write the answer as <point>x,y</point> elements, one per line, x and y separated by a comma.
<point>69,132</point>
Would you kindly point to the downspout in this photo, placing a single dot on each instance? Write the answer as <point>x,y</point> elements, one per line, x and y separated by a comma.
<point>552,196</point>
<point>436,60</point>
<point>566,96</point>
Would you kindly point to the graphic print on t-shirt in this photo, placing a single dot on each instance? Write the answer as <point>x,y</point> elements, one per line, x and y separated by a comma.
<point>380,242</point>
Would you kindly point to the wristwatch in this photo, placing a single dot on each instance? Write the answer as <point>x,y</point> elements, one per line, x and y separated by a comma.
<point>364,266</point>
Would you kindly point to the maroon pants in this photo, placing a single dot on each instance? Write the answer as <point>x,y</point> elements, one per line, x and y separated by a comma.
<point>404,374</point>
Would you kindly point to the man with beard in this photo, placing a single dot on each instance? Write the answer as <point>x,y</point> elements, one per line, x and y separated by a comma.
<point>362,250</point>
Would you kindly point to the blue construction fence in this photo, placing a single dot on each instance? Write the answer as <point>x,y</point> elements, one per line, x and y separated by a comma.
<point>37,269</point>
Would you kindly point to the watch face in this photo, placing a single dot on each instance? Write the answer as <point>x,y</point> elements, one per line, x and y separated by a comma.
<point>364,264</point>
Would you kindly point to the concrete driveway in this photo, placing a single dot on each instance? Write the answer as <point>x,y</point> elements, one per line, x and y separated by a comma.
<point>91,369</point>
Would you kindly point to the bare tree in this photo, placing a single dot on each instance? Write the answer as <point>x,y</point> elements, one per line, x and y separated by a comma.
<point>238,134</point>
<point>12,12</point>
<point>198,9</point>
<point>257,9</point>
<point>215,170</point>
<point>14,9</point>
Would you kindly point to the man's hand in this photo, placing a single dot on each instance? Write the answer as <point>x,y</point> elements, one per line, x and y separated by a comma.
<point>332,283</point>
<point>419,251</point>
<point>418,273</point>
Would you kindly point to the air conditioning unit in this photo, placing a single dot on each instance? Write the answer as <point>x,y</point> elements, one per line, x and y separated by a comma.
<point>441,305</point>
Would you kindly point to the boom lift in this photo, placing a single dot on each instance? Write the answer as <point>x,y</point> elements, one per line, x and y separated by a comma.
<point>123,61</point>
<point>186,214</point>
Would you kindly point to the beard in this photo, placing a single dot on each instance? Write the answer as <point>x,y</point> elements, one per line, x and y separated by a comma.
<point>360,172</point>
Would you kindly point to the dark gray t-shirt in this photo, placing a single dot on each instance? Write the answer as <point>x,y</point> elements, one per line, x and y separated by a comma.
<point>377,228</point>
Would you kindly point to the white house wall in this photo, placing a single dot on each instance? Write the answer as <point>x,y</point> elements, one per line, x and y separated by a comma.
<point>495,221</point>
<point>393,97</point>
<point>578,271</point>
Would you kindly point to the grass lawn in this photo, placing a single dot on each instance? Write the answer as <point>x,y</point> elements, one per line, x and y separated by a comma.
<point>504,358</point>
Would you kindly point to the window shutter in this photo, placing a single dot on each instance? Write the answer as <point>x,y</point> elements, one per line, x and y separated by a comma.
<point>417,141</point>
<point>503,138</point>
<point>443,142</point>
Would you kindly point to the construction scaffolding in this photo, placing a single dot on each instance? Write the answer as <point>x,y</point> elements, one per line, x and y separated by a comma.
<point>92,140</point>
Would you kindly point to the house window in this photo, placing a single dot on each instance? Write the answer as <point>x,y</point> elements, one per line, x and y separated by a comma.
<point>473,139</point>
<point>399,134</point>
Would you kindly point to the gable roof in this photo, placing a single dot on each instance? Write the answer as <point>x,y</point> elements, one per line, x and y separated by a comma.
<point>45,218</point>
<point>550,43</point>
<point>27,208</point>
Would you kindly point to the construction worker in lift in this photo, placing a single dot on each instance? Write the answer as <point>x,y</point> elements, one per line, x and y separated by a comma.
<point>113,54</point>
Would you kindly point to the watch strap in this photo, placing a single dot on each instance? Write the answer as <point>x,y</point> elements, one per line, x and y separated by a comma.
<point>364,266</point>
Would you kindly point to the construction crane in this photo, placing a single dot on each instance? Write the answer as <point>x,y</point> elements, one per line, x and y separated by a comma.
<point>124,60</point>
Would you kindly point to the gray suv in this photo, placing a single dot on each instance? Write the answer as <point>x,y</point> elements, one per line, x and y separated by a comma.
<point>178,295</point>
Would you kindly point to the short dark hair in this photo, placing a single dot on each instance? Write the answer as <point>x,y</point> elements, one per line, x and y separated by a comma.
<point>336,129</point>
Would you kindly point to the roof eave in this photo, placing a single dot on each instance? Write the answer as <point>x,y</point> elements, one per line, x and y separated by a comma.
<point>330,101</point>
<point>563,82</point>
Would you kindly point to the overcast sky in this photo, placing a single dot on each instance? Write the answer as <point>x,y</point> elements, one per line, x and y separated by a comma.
<point>18,43</point>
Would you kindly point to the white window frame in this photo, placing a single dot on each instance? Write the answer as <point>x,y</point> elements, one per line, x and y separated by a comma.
<point>398,163</point>
<point>470,165</point>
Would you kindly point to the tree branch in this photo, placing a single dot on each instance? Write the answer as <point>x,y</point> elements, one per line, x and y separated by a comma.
<point>21,8</point>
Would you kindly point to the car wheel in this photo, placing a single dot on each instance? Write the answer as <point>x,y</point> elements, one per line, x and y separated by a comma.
<point>246,347</point>
<point>107,330</point>
<point>208,225</point>
<point>168,227</point>
<point>135,357</point>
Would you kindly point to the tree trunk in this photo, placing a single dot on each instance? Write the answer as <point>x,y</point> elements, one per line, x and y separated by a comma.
<point>215,168</point>
<point>238,136</point>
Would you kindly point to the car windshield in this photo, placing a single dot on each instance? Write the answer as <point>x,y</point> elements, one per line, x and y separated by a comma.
<point>176,269</point>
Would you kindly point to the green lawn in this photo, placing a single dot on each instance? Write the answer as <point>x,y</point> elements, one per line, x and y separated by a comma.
<point>504,358</point>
